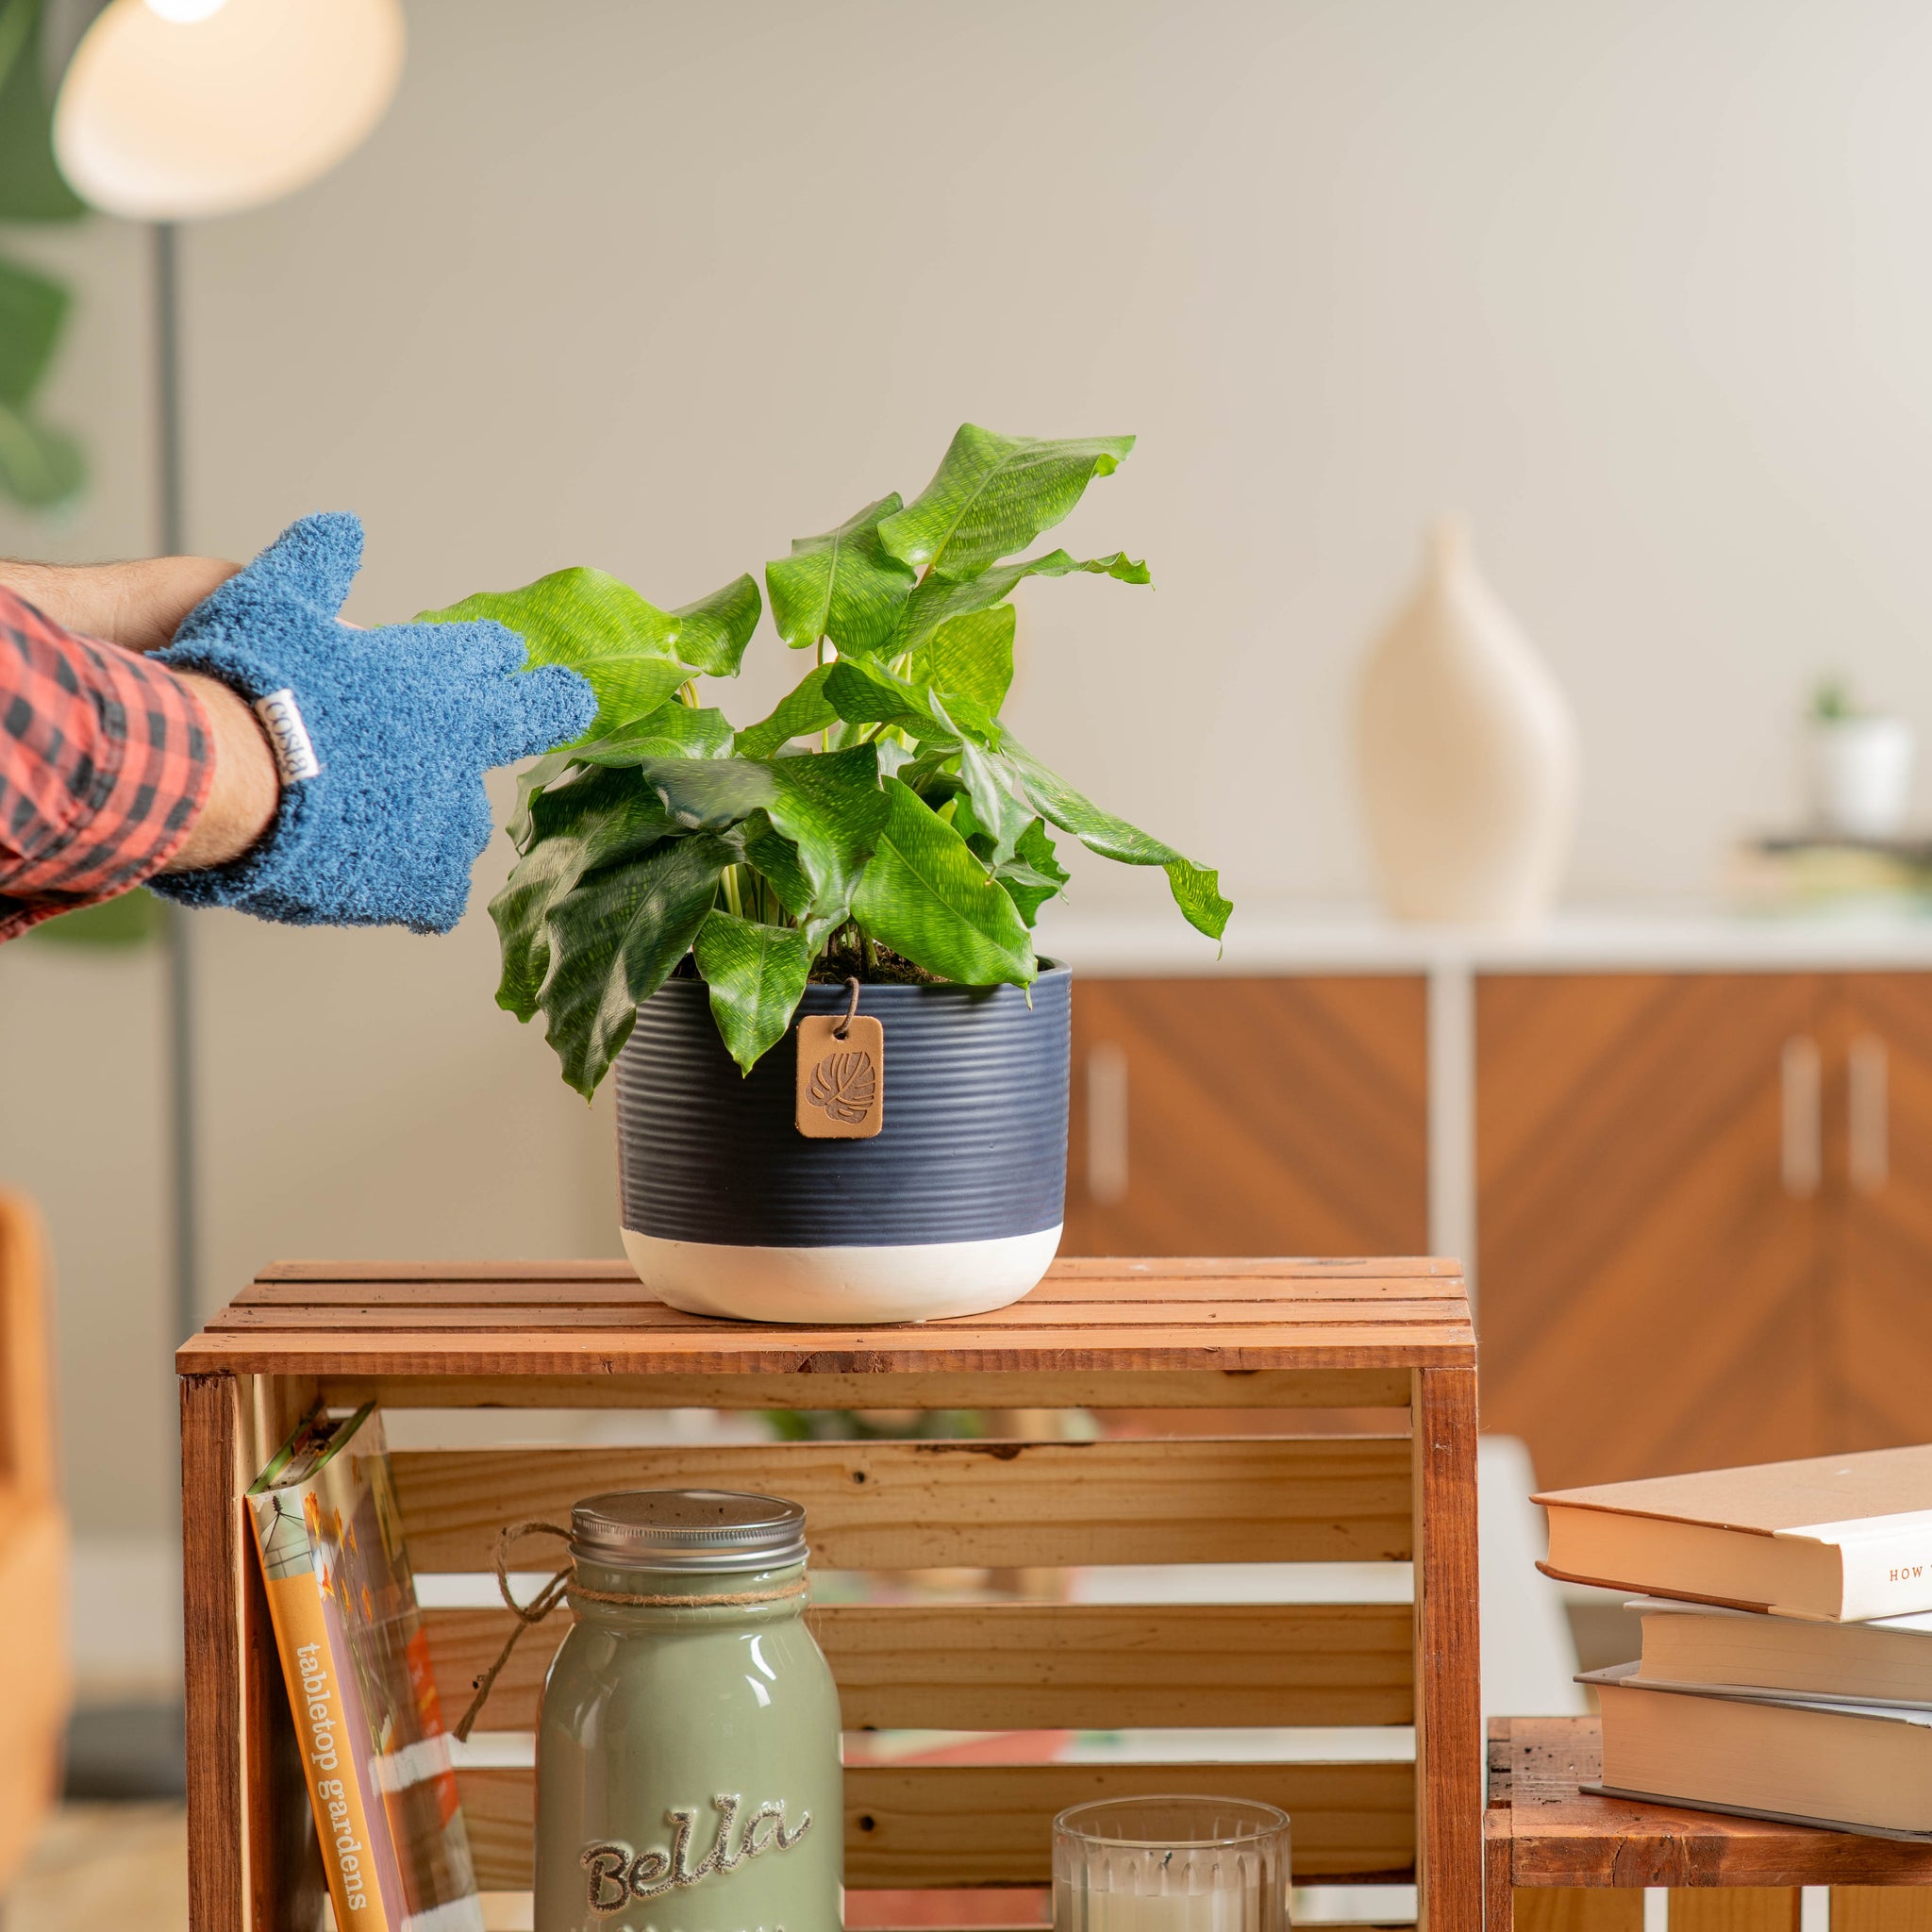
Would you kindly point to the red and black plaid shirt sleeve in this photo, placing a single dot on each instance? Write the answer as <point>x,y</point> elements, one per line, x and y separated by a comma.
<point>104,764</point>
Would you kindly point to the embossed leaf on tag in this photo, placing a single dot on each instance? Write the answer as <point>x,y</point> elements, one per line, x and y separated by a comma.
<point>845,1086</point>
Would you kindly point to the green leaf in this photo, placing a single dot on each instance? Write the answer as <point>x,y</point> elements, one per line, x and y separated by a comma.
<point>39,466</point>
<point>841,585</point>
<point>992,495</point>
<point>31,187</point>
<point>1196,890</point>
<point>863,691</point>
<point>633,654</point>
<point>1034,874</point>
<point>613,941</point>
<point>803,709</point>
<point>775,859</point>
<point>756,974</point>
<point>926,895</point>
<point>673,730</point>
<point>940,600</point>
<point>711,794</point>
<point>972,656</point>
<point>32,307</point>
<point>833,809</point>
<point>602,816</point>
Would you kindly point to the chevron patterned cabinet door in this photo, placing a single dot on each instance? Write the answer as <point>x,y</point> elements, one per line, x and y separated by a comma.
<point>1654,1219</point>
<point>1879,1120</point>
<point>1277,1116</point>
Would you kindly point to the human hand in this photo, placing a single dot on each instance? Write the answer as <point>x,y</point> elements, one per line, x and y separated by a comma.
<point>138,605</point>
<point>382,735</point>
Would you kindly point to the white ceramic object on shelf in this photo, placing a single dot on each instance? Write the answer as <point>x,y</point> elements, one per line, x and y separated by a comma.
<point>1861,775</point>
<point>1467,754</point>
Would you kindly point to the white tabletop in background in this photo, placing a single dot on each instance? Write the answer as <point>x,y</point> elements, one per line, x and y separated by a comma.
<point>1285,937</point>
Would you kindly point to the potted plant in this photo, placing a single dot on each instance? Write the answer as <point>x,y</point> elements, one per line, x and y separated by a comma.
<point>1861,766</point>
<point>857,873</point>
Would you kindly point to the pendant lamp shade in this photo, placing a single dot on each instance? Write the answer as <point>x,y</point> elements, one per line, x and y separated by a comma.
<point>174,109</point>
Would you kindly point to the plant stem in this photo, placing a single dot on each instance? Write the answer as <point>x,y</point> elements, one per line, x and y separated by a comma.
<point>872,954</point>
<point>688,693</point>
<point>733,901</point>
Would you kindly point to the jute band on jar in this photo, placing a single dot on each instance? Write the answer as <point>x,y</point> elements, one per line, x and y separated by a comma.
<point>532,1614</point>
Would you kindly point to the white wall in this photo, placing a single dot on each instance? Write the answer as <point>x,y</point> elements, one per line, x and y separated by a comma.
<point>1643,288</point>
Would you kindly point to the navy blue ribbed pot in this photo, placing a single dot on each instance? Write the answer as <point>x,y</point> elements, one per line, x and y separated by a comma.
<point>954,1208</point>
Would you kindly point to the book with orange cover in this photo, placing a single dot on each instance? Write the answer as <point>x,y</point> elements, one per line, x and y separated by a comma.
<point>1834,1538</point>
<point>355,1663</point>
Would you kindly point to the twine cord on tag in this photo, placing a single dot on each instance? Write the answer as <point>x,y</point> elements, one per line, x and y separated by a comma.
<point>844,1026</point>
<point>532,1614</point>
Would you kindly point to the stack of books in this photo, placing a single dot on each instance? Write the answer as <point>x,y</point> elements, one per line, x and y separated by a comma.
<point>1787,1609</point>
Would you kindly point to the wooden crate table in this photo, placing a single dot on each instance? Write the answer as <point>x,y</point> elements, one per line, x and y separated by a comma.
<point>1559,1859</point>
<point>1256,1343</point>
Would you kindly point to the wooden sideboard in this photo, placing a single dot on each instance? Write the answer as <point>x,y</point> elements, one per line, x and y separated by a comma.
<point>1697,1158</point>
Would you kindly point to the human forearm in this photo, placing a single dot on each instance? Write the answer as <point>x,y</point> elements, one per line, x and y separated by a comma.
<point>137,604</point>
<point>245,788</point>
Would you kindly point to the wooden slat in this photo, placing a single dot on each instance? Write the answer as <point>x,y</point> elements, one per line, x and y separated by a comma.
<point>1449,1734</point>
<point>1560,1835</point>
<point>914,1348</point>
<point>891,1506</point>
<point>1161,1268</point>
<point>1573,1910</point>
<point>1735,1908</point>
<point>1177,1389</point>
<point>212,1575</point>
<point>1035,1666</point>
<point>908,1825</point>
<point>1083,1301</point>
<point>410,1315</point>
<point>1881,1908</point>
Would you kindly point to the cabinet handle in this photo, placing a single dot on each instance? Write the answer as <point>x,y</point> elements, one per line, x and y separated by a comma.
<point>1803,1164</point>
<point>1107,1123</point>
<point>1868,1153</point>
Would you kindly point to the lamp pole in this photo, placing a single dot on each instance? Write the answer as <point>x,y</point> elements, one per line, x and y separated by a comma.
<point>185,1247</point>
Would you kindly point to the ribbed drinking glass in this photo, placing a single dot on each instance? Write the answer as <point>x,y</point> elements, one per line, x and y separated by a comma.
<point>1171,1864</point>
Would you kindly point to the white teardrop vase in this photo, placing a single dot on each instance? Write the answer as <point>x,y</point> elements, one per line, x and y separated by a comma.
<point>1467,754</point>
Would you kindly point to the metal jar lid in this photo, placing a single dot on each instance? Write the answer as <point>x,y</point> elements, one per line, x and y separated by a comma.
<point>688,1529</point>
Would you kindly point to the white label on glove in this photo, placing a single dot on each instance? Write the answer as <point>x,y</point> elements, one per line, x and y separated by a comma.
<point>294,753</point>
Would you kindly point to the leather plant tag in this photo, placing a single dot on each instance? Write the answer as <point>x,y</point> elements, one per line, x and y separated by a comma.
<point>842,1083</point>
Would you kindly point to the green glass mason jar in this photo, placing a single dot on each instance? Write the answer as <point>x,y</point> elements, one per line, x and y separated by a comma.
<point>687,1770</point>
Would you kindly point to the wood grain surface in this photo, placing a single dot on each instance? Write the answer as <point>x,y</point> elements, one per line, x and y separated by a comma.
<point>969,1667</point>
<point>1652,1296</point>
<point>896,1506</point>
<point>1284,1316</point>
<point>964,1824</point>
<point>1557,1835</point>
<point>1263,1116</point>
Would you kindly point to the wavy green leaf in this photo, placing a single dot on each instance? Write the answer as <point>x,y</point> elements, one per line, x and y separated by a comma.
<point>602,816</point>
<point>711,794</point>
<point>833,809</point>
<point>1196,888</point>
<point>971,658</point>
<point>926,895</point>
<point>1034,873</point>
<point>32,189</point>
<point>39,466</point>
<point>841,585</point>
<point>32,309</point>
<point>992,495</point>
<point>941,600</point>
<point>803,709</point>
<point>634,655</point>
<point>756,974</point>
<point>673,730</point>
<point>613,941</point>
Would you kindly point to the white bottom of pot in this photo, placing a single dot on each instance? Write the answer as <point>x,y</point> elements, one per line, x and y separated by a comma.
<point>829,1287</point>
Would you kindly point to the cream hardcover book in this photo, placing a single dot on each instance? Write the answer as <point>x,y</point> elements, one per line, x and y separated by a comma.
<point>1847,1767</point>
<point>1886,1661</point>
<point>1836,1538</point>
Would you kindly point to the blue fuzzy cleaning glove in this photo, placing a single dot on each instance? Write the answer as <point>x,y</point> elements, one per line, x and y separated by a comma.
<point>382,735</point>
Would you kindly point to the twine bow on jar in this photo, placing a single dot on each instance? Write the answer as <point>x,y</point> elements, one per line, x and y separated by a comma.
<point>561,1585</point>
